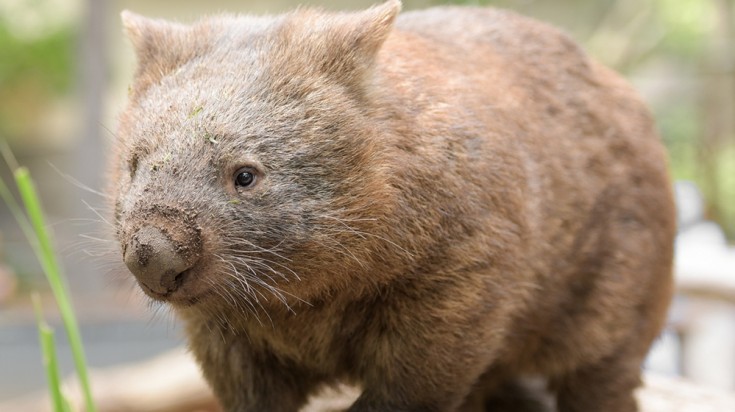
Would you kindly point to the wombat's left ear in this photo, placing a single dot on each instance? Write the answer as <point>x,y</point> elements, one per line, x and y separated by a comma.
<point>153,40</point>
<point>160,46</point>
<point>140,30</point>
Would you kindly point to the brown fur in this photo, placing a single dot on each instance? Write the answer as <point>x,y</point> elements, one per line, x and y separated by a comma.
<point>444,203</point>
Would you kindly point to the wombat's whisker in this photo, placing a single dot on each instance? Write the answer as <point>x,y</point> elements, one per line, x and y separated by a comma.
<point>89,252</point>
<point>250,295</point>
<point>159,313</point>
<point>252,253</point>
<point>227,294</point>
<point>246,292</point>
<point>236,274</point>
<point>274,250</point>
<point>368,234</point>
<point>350,219</point>
<point>336,246</point>
<point>96,212</point>
<point>77,183</point>
<point>90,247</point>
<point>98,239</point>
<point>277,293</point>
<point>249,263</point>
<point>112,134</point>
<point>217,315</point>
<point>257,276</point>
<point>247,298</point>
<point>84,221</point>
<point>263,263</point>
<point>261,283</point>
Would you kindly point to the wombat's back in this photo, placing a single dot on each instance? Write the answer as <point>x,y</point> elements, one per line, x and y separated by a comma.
<point>539,140</point>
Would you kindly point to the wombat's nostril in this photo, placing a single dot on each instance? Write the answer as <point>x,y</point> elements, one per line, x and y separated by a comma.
<point>155,260</point>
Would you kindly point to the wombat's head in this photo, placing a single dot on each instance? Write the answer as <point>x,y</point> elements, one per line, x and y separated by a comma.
<point>247,166</point>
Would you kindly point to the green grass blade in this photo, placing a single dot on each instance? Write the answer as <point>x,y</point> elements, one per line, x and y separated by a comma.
<point>45,253</point>
<point>50,363</point>
<point>16,210</point>
<point>48,347</point>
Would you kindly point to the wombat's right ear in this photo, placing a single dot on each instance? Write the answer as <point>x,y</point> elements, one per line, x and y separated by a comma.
<point>160,46</point>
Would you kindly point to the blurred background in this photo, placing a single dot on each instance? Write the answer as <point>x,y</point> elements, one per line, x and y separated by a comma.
<point>65,68</point>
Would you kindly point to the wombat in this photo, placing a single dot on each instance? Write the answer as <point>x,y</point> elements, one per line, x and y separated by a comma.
<point>429,206</point>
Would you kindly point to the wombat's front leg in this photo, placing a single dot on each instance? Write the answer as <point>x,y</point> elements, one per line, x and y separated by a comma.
<point>425,366</point>
<point>407,388</point>
<point>247,382</point>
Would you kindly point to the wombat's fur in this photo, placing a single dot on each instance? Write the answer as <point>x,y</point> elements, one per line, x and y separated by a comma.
<point>430,207</point>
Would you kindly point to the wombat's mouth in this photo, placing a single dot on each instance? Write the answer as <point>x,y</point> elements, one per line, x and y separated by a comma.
<point>179,295</point>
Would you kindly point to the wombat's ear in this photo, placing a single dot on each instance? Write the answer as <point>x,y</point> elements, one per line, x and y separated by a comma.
<point>343,45</point>
<point>353,40</point>
<point>369,29</point>
<point>160,46</point>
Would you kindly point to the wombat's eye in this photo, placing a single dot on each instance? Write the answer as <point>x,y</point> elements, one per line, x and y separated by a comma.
<point>244,177</point>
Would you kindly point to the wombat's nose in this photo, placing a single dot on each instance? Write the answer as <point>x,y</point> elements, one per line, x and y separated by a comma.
<point>153,259</point>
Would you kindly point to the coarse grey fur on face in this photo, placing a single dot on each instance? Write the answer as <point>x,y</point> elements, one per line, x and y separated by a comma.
<point>257,95</point>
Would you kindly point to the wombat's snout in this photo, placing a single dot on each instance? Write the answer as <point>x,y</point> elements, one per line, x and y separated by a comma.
<point>155,260</point>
